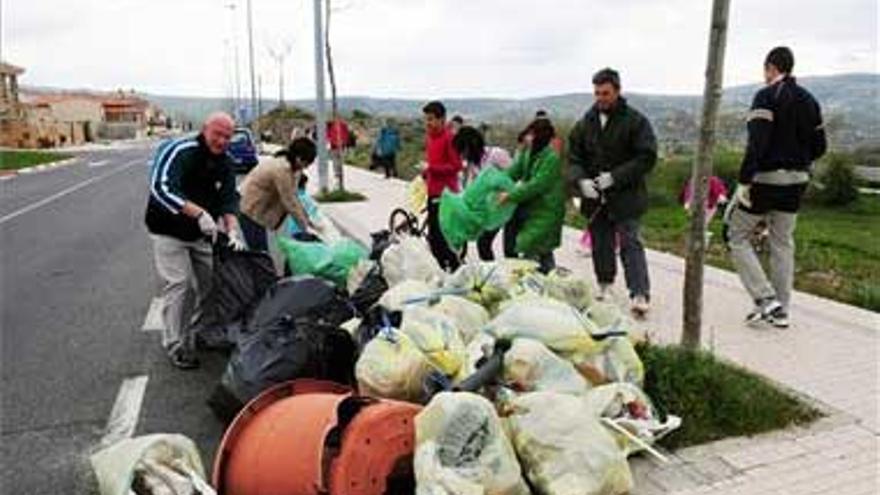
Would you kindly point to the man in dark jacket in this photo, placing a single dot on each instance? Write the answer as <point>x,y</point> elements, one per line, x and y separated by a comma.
<point>192,187</point>
<point>785,136</point>
<point>611,151</point>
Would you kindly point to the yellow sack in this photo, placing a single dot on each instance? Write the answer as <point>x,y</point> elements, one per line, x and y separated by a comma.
<point>417,195</point>
<point>530,366</point>
<point>554,323</point>
<point>435,335</point>
<point>564,449</point>
<point>468,316</point>
<point>392,369</point>
<point>461,449</point>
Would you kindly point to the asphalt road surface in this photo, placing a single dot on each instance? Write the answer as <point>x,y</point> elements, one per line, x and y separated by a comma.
<point>77,280</point>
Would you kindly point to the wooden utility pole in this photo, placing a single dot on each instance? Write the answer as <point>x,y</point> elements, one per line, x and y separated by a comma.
<point>696,246</point>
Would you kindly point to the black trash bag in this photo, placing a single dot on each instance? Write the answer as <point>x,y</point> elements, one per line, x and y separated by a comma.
<point>287,350</point>
<point>381,241</point>
<point>371,289</point>
<point>298,297</point>
<point>375,319</point>
<point>239,280</point>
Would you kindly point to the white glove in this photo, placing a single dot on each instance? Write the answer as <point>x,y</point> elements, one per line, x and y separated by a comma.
<point>743,195</point>
<point>588,189</point>
<point>207,225</point>
<point>236,243</point>
<point>604,181</point>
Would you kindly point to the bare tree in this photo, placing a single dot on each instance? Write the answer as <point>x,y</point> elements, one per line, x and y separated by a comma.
<point>336,152</point>
<point>696,250</point>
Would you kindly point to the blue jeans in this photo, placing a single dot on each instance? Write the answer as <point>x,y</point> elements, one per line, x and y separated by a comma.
<point>254,233</point>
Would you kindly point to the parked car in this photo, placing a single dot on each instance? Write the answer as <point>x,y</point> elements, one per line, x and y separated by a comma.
<point>243,149</point>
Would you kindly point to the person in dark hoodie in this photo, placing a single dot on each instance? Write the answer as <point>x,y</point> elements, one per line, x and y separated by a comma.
<point>192,198</point>
<point>786,135</point>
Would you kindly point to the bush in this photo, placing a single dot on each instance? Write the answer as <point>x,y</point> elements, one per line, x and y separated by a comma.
<point>340,196</point>
<point>838,182</point>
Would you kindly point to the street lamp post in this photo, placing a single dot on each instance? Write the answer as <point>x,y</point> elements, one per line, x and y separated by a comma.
<point>320,121</point>
<point>250,24</point>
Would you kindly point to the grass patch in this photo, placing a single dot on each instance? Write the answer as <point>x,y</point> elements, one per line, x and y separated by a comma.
<point>339,196</point>
<point>16,160</point>
<point>714,398</point>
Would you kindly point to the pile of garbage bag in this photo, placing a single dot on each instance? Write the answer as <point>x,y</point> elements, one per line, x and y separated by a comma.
<point>564,411</point>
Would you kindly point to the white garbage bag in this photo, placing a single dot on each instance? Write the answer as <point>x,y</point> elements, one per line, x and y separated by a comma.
<point>160,464</point>
<point>554,323</point>
<point>462,449</point>
<point>563,447</point>
<point>631,408</point>
<point>530,366</point>
<point>559,284</point>
<point>469,317</point>
<point>396,297</point>
<point>410,259</point>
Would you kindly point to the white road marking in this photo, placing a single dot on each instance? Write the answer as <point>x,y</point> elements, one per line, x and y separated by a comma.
<point>99,163</point>
<point>65,192</point>
<point>126,410</point>
<point>153,322</point>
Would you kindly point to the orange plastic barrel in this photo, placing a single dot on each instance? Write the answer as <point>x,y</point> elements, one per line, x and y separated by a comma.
<point>275,445</point>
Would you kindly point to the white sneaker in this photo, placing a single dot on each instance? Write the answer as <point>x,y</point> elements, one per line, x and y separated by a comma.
<point>604,292</point>
<point>763,309</point>
<point>639,305</point>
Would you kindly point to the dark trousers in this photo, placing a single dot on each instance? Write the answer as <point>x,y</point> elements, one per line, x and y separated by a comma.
<point>484,245</point>
<point>447,259</point>
<point>632,253</point>
<point>390,164</point>
<point>254,233</point>
<point>511,230</point>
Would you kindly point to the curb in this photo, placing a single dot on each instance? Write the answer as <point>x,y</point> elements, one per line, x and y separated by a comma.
<point>11,174</point>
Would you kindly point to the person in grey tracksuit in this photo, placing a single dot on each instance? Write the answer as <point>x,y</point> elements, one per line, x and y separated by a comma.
<point>786,136</point>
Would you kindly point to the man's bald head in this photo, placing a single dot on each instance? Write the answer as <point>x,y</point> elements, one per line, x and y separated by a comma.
<point>217,131</point>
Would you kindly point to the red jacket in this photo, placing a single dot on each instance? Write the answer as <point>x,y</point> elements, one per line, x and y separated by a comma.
<point>444,164</point>
<point>337,134</point>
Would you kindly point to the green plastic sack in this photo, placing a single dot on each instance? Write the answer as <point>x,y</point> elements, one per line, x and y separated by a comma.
<point>464,217</point>
<point>332,261</point>
<point>457,222</point>
<point>481,196</point>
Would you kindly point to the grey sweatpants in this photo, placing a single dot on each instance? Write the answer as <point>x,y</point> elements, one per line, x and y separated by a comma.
<point>604,233</point>
<point>781,227</point>
<point>183,266</point>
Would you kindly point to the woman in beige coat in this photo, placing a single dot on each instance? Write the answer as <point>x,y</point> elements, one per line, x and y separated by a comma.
<point>268,193</point>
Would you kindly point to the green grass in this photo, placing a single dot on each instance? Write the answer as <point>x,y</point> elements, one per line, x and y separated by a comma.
<point>340,196</point>
<point>16,160</point>
<point>715,399</point>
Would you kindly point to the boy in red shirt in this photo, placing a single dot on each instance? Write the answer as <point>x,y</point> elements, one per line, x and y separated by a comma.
<point>442,172</point>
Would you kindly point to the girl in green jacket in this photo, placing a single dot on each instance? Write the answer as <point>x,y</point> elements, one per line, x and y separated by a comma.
<point>539,196</point>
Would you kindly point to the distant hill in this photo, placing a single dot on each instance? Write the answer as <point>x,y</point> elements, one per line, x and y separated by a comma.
<point>850,103</point>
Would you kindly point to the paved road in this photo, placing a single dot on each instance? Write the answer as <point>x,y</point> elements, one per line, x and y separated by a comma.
<point>77,278</point>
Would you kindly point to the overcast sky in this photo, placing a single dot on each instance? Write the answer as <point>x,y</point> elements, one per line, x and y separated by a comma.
<point>426,48</point>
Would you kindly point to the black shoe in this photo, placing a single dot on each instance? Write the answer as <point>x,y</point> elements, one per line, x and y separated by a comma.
<point>183,359</point>
<point>778,318</point>
<point>763,309</point>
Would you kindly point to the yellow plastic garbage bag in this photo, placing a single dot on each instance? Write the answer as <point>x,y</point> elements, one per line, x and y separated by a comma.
<point>410,259</point>
<point>530,366</point>
<point>559,284</point>
<point>616,360</point>
<point>462,449</point>
<point>490,283</point>
<point>158,464</point>
<point>392,367</point>
<point>563,448</point>
<point>554,323</point>
<point>417,194</point>
<point>436,337</point>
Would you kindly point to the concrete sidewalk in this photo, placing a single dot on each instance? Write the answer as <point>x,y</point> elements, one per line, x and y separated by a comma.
<point>829,354</point>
